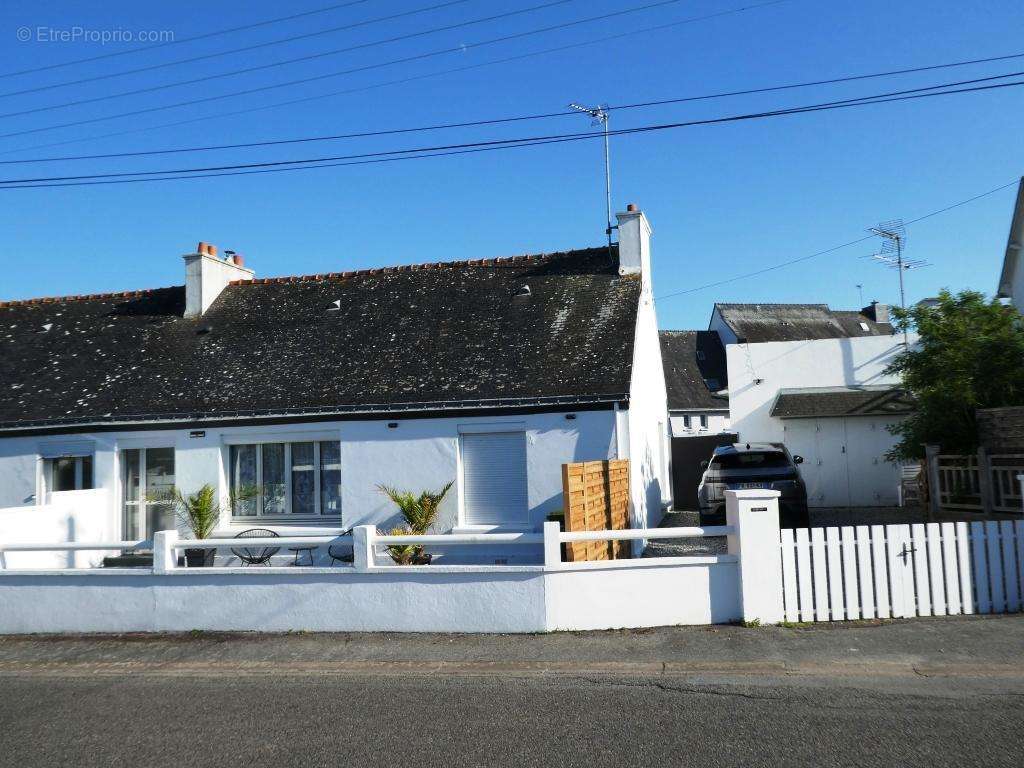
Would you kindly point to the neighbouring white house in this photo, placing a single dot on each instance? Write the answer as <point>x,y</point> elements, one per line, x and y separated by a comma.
<point>696,381</point>
<point>1011,280</point>
<point>814,379</point>
<point>315,390</point>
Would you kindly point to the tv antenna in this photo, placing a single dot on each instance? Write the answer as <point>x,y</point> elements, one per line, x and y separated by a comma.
<point>860,293</point>
<point>894,242</point>
<point>600,117</point>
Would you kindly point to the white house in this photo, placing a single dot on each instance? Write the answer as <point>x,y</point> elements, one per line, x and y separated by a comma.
<point>1011,280</point>
<point>813,378</point>
<point>490,373</point>
<point>696,381</point>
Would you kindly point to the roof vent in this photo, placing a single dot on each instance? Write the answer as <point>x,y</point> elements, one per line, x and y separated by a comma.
<point>524,291</point>
<point>205,329</point>
<point>46,328</point>
<point>335,306</point>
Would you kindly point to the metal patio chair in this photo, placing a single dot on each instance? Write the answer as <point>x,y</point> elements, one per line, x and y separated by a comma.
<point>342,553</point>
<point>255,555</point>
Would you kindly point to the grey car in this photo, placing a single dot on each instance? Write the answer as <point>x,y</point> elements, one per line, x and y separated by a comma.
<point>753,465</point>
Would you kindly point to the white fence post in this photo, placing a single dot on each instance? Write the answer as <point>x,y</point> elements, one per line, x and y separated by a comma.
<point>362,547</point>
<point>552,546</point>
<point>164,558</point>
<point>754,516</point>
<point>1020,479</point>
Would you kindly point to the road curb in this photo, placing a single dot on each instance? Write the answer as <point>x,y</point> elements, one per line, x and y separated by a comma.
<point>861,669</point>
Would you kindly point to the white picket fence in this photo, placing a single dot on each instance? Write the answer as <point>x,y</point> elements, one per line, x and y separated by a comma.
<point>896,571</point>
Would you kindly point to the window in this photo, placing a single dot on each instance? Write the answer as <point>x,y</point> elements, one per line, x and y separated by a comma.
<point>700,355</point>
<point>687,423</point>
<point>494,479</point>
<point>290,479</point>
<point>147,475</point>
<point>67,473</point>
<point>703,421</point>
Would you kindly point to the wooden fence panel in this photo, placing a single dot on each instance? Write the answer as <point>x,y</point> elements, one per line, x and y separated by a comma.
<point>849,553</point>
<point>864,574</point>
<point>963,550</point>
<point>596,497</point>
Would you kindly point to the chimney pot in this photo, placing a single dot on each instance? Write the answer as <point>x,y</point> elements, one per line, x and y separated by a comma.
<point>201,248</point>
<point>632,208</point>
<point>238,259</point>
<point>212,250</point>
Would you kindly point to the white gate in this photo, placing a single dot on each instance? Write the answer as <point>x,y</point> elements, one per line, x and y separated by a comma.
<point>894,571</point>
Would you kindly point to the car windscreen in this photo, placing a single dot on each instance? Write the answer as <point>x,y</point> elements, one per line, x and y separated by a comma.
<point>751,460</point>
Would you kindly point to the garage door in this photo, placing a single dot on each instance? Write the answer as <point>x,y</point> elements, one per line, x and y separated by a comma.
<point>844,460</point>
<point>494,479</point>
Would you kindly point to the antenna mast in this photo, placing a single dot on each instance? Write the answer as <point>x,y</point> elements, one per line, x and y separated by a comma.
<point>600,117</point>
<point>894,240</point>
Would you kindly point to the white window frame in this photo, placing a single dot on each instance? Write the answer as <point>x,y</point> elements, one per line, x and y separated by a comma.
<point>142,446</point>
<point>287,440</point>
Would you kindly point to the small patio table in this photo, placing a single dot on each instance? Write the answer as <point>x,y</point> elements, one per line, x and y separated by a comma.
<point>298,550</point>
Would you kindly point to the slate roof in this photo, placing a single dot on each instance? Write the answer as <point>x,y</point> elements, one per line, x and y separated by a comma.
<point>796,404</point>
<point>755,323</point>
<point>687,377</point>
<point>423,336</point>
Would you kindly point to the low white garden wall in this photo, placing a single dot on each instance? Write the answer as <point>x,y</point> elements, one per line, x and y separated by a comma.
<point>371,596</point>
<point>68,516</point>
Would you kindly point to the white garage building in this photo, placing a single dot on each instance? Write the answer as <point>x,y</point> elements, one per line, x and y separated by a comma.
<point>821,391</point>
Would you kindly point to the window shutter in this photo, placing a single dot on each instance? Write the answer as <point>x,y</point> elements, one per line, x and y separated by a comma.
<point>494,479</point>
<point>67,449</point>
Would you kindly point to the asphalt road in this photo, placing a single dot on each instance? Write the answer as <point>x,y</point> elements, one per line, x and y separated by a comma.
<point>422,720</point>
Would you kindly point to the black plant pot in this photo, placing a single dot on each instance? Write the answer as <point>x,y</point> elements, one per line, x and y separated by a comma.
<point>423,558</point>
<point>199,558</point>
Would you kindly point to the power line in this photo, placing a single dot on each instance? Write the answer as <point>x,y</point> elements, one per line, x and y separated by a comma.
<point>182,41</point>
<point>416,153</point>
<point>457,49</point>
<point>517,118</point>
<point>403,80</point>
<point>834,248</point>
<point>232,51</point>
<point>297,59</point>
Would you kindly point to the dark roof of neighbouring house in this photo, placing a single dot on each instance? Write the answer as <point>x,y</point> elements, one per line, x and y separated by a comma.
<point>841,401</point>
<point>755,323</point>
<point>691,382</point>
<point>422,336</point>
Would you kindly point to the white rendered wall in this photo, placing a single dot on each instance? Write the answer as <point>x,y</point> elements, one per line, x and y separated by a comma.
<point>647,595</point>
<point>273,602</point>
<point>718,422</point>
<point>68,516</point>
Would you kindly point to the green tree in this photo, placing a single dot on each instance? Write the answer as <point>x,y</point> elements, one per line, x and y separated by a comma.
<point>970,355</point>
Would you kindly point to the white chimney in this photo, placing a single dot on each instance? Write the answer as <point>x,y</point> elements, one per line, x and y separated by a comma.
<point>206,276</point>
<point>635,244</point>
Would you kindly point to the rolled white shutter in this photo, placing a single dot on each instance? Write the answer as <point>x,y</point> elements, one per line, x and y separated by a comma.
<point>65,449</point>
<point>494,479</point>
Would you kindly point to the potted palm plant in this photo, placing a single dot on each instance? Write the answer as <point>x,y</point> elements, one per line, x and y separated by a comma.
<point>201,512</point>
<point>420,514</point>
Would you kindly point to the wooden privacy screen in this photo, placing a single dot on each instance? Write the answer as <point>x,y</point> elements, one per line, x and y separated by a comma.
<point>596,495</point>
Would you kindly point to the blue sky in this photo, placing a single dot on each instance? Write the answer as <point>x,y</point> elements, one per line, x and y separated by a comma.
<point>723,200</point>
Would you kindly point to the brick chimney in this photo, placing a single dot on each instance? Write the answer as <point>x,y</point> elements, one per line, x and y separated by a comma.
<point>206,275</point>
<point>877,311</point>
<point>635,244</point>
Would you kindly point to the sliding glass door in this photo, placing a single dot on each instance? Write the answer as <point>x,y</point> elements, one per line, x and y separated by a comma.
<point>147,476</point>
